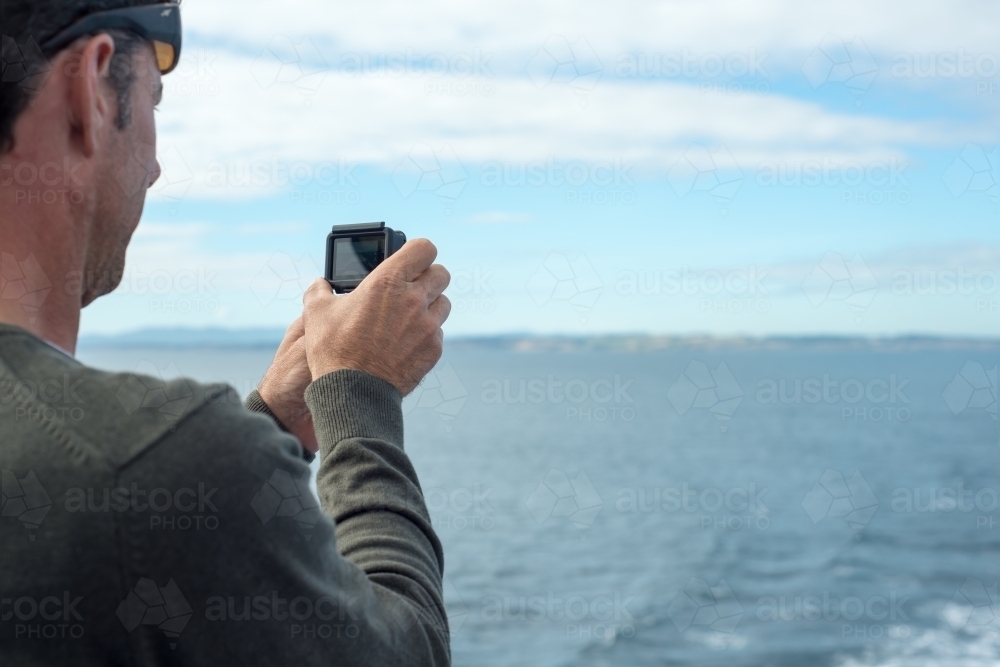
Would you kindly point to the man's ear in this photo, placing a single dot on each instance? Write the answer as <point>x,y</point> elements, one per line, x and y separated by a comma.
<point>91,106</point>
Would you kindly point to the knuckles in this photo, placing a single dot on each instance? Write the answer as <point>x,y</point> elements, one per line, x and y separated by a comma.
<point>416,299</point>
<point>445,307</point>
<point>431,328</point>
<point>315,291</point>
<point>383,282</point>
<point>445,275</point>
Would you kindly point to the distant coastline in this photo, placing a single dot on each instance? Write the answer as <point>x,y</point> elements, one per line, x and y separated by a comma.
<point>267,338</point>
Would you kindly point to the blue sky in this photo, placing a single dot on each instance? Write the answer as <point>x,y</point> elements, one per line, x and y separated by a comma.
<point>724,168</point>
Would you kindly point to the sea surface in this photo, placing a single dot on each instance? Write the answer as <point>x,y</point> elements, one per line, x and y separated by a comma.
<point>689,506</point>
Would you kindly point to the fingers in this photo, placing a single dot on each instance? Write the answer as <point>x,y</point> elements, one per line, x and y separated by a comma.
<point>440,309</point>
<point>435,280</point>
<point>317,293</point>
<point>294,333</point>
<point>411,260</point>
<point>296,329</point>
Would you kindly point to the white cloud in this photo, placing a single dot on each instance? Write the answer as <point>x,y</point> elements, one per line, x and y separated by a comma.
<point>503,26</point>
<point>263,84</point>
<point>244,141</point>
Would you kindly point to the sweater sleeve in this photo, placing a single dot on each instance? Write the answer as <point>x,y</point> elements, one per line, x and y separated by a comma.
<point>274,576</point>
<point>369,487</point>
<point>254,403</point>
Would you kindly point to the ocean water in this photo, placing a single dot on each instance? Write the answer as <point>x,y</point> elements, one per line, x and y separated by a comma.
<point>670,508</point>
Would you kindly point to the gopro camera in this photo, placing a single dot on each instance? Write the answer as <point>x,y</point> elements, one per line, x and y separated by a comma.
<point>353,251</point>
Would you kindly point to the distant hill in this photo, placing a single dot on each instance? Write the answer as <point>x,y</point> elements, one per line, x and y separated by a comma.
<point>187,338</point>
<point>270,338</point>
<point>651,343</point>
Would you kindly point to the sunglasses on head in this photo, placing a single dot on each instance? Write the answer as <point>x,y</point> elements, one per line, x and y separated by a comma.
<point>160,24</point>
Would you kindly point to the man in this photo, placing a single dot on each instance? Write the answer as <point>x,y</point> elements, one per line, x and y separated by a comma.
<point>164,523</point>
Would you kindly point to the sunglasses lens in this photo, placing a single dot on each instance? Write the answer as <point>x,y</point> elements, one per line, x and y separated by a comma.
<point>166,56</point>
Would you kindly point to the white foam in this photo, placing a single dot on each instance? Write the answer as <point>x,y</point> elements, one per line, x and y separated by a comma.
<point>936,648</point>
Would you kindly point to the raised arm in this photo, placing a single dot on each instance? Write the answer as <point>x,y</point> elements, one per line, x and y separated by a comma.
<point>365,351</point>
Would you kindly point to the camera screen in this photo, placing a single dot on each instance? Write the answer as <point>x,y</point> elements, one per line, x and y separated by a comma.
<point>354,258</point>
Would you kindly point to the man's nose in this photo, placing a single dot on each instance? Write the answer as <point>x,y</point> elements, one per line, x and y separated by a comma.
<point>155,174</point>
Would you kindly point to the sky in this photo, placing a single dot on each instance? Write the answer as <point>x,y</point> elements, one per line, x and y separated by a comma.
<point>754,167</point>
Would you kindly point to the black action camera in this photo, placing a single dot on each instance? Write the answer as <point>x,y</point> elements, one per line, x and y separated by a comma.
<point>353,251</point>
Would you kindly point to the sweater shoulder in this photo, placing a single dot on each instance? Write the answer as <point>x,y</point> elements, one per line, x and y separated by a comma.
<point>114,416</point>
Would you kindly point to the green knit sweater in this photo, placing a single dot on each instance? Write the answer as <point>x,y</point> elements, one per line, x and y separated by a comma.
<point>166,523</point>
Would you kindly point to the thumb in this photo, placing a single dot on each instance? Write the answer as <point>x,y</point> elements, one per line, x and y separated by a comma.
<point>317,293</point>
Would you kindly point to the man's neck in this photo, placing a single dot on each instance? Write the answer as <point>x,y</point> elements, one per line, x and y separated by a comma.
<point>38,260</point>
<point>56,325</point>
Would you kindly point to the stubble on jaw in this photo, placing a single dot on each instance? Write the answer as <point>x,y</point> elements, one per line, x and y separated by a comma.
<point>111,220</point>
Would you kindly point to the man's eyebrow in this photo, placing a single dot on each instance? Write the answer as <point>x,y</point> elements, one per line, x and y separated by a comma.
<point>158,94</point>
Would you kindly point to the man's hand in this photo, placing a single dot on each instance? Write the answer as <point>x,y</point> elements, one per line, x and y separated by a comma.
<point>284,386</point>
<point>389,327</point>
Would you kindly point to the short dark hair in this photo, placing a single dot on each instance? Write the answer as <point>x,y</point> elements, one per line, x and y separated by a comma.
<point>26,24</point>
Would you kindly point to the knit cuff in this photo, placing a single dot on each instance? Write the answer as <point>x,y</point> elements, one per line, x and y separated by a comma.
<point>348,403</point>
<point>254,403</point>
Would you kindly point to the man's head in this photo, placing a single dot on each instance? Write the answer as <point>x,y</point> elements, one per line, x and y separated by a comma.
<point>77,135</point>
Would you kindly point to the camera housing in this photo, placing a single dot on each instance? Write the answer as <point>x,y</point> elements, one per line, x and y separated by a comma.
<point>353,251</point>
